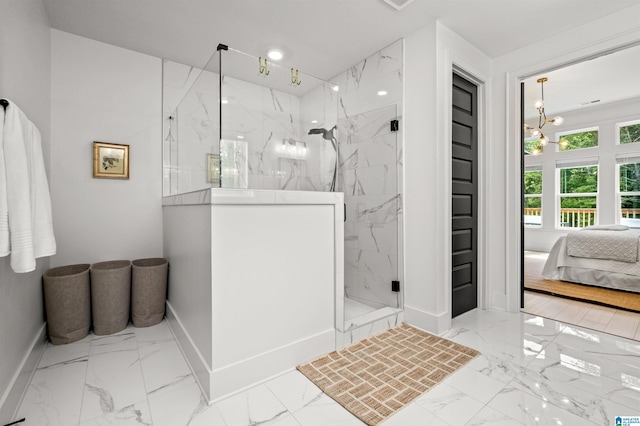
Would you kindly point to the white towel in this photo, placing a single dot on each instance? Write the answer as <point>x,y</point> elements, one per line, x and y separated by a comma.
<point>29,202</point>
<point>4,210</point>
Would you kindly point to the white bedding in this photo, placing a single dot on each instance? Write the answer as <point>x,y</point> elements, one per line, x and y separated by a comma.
<point>604,244</point>
<point>598,272</point>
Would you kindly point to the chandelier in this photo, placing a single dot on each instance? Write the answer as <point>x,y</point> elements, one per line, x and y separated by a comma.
<point>542,120</point>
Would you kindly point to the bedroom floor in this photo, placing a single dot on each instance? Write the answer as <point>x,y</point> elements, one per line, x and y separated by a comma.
<point>601,318</point>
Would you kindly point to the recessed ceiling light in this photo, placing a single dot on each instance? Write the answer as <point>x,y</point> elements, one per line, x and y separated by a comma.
<point>275,54</point>
<point>382,93</point>
<point>224,101</point>
<point>335,88</point>
<point>314,121</point>
<point>240,137</point>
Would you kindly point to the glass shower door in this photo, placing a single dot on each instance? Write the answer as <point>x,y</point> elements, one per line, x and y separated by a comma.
<point>369,177</point>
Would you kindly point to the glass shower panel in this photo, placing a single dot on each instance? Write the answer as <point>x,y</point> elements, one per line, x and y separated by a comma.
<point>192,131</point>
<point>368,177</point>
<point>264,110</point>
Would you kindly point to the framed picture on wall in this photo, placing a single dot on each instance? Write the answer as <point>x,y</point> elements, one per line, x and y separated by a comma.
<point>213,168</point>
<point>110,160</point>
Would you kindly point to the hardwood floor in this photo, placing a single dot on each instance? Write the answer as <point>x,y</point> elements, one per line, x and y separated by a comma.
<point>596,317</point>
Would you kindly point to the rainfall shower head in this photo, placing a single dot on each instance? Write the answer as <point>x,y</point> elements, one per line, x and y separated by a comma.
<point>397,4</point>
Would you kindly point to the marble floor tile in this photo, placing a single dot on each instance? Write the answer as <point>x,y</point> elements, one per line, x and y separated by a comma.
<point>475,384</point>
<point>450,404</point>
<point>414,415</point>
<point>294,390</point>
<point>163,366</point>
<point>257,405</point>
<point>182,407</point>
<point>325,411</point>
<point>495,367</point>
<point>114,381</point>
<point>528,409</point>
<point>54,396</point>
<point>491,417</point>
<point>71,352</point>
<point>132,415</point>
<point>531,371</point>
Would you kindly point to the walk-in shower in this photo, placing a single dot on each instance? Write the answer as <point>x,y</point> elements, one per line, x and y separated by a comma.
<point>242,121</point>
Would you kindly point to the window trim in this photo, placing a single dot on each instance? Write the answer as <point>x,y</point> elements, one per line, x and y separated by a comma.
<point>568,164</point>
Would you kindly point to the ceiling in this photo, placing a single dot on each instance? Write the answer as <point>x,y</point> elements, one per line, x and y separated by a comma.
<point>609,78</point>
<point>325,37</point>
<point>320,37</point>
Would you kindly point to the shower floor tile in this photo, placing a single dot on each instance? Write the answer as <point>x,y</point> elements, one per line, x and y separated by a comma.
<point>353,308</point>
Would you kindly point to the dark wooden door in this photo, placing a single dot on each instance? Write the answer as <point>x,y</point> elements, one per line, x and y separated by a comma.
<point>464,175</point>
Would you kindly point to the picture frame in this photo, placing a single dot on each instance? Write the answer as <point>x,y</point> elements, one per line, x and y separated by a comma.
<point>110,160</point>
<point>213,168</point>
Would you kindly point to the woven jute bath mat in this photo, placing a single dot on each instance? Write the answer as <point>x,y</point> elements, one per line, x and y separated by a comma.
<point>378,376</point>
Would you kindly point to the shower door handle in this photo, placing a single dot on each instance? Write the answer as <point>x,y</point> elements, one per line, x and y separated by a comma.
<point>344,217</point>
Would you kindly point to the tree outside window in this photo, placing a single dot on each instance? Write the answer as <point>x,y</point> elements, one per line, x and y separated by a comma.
<point>629,133</point>
<point>533,198</point>
<point>629,194</point>
<point>580,140</point>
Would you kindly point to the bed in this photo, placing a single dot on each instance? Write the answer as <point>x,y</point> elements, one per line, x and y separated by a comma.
<point>603,256</point>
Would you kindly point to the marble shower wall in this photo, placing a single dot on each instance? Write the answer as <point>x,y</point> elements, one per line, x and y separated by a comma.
<point>371,176</point>
<point>280,152</point>
<point>265,141</point>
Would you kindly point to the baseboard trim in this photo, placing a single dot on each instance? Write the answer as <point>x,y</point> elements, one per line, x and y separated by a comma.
<point>13,395</point>
<point>236,377</point>
<point>197,363</point>
<point>436,324</point>
<point>230,379</point>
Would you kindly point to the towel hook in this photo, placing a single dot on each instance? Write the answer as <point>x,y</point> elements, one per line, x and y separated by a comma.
<point>264,69</point>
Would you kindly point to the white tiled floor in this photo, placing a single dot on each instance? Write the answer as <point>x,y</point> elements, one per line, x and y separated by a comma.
<point>532,371</point>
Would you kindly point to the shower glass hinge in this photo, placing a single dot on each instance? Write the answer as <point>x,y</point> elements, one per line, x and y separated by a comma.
<point>394,125</point>
<point>395,286</point>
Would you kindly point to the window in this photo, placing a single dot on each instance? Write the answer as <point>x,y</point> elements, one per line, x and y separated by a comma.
<point>629,190</point>
<point>577,193</point>
<point>629,132</point>
<point>533,195</point>
<point>587,138</point>
<point>532,146</point>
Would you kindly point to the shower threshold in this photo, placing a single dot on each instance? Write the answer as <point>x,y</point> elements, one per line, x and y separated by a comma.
<point>370,317</point>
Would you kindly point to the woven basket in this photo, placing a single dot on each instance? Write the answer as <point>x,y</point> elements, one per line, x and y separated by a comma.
<point>148,291</point>
<point>67,303</point>
<point>110,296</point>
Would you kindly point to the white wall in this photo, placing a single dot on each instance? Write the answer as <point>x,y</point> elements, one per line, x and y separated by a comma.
<point>104,93</point>
<point>619,29</point>
<point>430,56</point>
<point>604,117</point>
<point>25,72</point>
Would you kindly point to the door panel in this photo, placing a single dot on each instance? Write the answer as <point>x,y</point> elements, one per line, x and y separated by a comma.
<point>464,198</point>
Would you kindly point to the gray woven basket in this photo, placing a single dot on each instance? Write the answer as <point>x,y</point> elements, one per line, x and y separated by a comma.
<point>110,296</point>
<point>67,303</point>
<point>148,291</point>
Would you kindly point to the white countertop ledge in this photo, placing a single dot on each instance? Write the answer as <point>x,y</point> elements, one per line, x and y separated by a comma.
<point>230,196</point>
